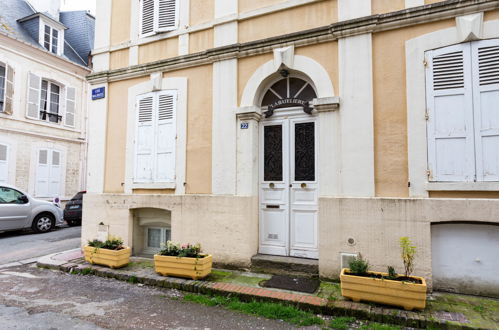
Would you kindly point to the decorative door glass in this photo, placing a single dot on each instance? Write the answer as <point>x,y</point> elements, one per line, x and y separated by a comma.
<point>272,153</point>
<point>305,151</point>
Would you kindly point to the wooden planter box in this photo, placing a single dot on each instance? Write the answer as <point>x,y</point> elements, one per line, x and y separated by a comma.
<point>397,293</point>
<point>195,268</point>
<point>105,257</point>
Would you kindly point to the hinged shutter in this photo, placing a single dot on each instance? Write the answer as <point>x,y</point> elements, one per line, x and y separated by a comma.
<point>147,17</point>
<point>55,173</point>
<point>69,117</point>
<point>450,114</point>
<point>167,15</point>
<point>165,137</point>
<point>9,91</point>
<point>42,174</point>
<point>4,163</point>
<point>33,110</point>
<point>485,57</point>
<point>144,141</point>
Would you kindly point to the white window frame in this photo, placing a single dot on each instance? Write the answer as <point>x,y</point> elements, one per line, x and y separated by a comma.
<point>158,83</point>
<point>150,249</point>
<point>49,101</point>
<point>41,38</point>
<point>156,28</point>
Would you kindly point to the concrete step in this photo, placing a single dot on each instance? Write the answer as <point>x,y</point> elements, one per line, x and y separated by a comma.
<point>279,265</point>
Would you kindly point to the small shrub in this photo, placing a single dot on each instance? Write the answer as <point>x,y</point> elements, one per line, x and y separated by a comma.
<point>359,266</point>
<point>113,243</point>
<point>408,255</point>
<point>391,273</point>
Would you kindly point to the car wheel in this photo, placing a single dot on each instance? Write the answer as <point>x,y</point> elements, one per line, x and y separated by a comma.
<point>43,223</point>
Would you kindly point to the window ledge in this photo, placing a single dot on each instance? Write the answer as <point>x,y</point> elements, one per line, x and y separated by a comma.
<point>462,186</point>
<point>157,185</point>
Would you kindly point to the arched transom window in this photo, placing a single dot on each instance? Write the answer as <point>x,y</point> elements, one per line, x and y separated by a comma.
<point>289,88</point>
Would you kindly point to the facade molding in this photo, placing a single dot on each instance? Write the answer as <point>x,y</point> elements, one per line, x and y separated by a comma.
<point>326,104</point>
<point>416,100</point>
<point>370,24</point>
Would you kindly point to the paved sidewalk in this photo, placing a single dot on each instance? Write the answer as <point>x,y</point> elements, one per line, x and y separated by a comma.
<point>444,310</point>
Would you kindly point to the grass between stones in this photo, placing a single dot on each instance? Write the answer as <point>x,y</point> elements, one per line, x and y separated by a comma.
<point>268,310</point>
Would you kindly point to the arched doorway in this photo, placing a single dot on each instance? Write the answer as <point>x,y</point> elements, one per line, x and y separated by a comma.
<point>288,183</point>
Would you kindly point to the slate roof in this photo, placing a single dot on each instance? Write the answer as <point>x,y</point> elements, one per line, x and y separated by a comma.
<point>79,35</point>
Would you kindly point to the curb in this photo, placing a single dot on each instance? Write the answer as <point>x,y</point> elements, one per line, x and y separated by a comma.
<point>422,320</point>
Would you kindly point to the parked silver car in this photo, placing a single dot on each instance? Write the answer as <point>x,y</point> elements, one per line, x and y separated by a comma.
<point>19,210</point>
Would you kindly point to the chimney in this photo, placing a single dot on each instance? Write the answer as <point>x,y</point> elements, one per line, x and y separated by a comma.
<point>52,7</point>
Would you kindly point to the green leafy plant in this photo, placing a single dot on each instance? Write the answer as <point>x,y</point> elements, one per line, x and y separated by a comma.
<point>177,250</point>
<point>408,252</point>
<point>113,243</point>
<point>358,265</point>
<point>392,275</point>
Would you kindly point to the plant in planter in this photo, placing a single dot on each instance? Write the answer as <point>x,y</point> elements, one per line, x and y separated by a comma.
<point>409,292</point>
<point>183,261</point>
<point>111,253</point>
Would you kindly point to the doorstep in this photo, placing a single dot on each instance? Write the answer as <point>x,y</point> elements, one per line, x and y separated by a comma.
<point>443,311</point>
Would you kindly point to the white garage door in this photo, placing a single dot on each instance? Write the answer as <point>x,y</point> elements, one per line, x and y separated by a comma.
<point>465,258</point>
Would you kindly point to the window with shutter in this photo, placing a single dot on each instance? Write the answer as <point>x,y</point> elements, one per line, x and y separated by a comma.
<point>158,16</point>
<point>34,87</point>
<point>155,138</point>
<point>450,115</point>
<point>485,56</point>
<point>3,79</point>
<point>9,91</point>
<point>463,117</point>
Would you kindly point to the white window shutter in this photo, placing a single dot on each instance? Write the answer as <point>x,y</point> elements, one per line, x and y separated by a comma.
<point>147,13</point>
<point>9,90</point>
<point>450,114</point>
<point>144,140</point>
<point>4,163</point>
<point>165,137</point>
<point>69,116</point>
<point>485,57</point>
<point>34,85</point>
<point>167,15</point>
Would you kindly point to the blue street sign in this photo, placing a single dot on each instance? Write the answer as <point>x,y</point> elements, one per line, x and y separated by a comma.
<point>98,93</point>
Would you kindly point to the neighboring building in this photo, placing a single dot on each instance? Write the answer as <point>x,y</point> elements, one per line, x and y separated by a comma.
<point>44,58</point>
<point>314,129</point>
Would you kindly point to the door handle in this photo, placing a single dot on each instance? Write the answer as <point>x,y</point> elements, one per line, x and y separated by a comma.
<point>271,185</point>
<point>303,185</point>
<point>273,206</point>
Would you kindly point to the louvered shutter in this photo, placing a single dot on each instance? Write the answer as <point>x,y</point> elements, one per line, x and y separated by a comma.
<point>165,137</point>
<point>4,163</point>
<point>42,174</point>
<point>144,140</point>
<point>69,117</point>
<point>147,17</point>
<point>33,109</point>
<point>485,57</point>
<point>9,90</point>
<point>450,114</point>
<point>167,15</point>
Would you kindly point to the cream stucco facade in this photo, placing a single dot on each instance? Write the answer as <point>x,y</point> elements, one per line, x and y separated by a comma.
<point>365,63</point>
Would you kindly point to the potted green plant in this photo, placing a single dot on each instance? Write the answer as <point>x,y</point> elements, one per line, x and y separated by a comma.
<point>407,291</point>
<point>183,261</point>
<point>111,253</point>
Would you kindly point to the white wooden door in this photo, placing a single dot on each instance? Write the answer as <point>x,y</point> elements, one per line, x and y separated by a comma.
<point>48,173</point>
<point>288,187</point>
<point>4,163</point>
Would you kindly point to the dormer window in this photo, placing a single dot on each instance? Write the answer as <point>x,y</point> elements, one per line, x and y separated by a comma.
<point>51,39</point>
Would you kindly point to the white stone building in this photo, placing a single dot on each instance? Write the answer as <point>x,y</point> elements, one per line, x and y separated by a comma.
<point>44,58</point>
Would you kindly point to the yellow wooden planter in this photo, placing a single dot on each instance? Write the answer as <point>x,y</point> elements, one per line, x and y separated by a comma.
<point>105,257</point>
<point>195,268</point>
<point>397,293</point>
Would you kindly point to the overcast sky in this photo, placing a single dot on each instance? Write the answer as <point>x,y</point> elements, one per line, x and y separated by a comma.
<point>79,5</point>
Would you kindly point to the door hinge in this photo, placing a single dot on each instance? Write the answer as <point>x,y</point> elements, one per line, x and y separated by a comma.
<point>426,114</point>
<point>429,174</point>
<point>425,63</point>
